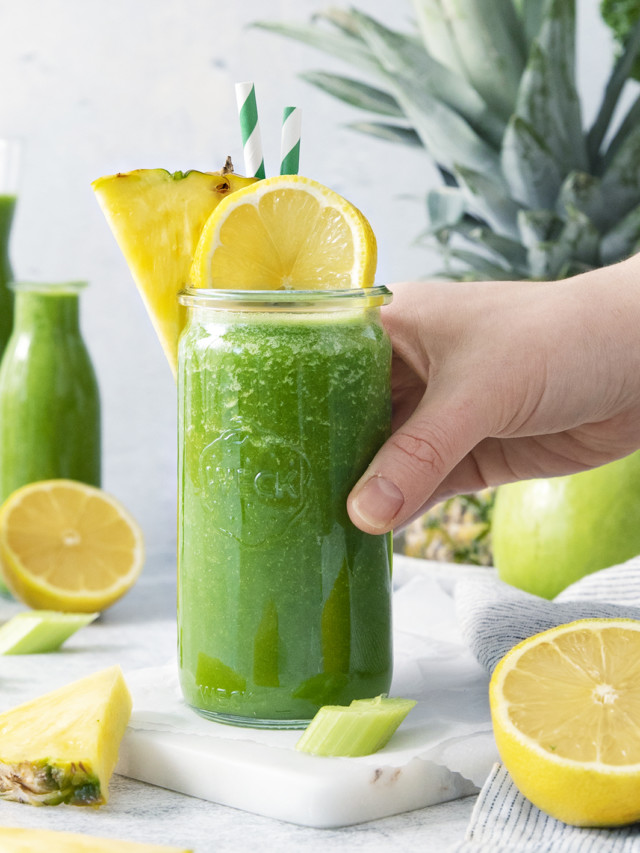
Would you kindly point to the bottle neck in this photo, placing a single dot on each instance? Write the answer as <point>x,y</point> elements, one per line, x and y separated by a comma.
<point>7,207</point>
<point>46,312</point>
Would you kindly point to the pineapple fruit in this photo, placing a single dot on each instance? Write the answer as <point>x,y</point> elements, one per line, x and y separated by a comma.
<point>140,207</point>
<point>488,89</point>
<point>15,840</point>
<point>457,530</point>
<point>62,747</point>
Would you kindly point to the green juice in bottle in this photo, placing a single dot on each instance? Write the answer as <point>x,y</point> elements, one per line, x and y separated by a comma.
<point>49,401</point>
<point>7,207</point>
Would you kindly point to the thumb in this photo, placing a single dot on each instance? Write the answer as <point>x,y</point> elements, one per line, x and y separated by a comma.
<point>410,466</point>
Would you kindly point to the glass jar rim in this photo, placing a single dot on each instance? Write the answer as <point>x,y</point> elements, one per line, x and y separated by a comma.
<point>48,288</point>
<point>286,300</point>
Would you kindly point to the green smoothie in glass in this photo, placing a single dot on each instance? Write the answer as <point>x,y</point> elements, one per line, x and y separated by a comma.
<point>283,604</point>
<point>49,403</point>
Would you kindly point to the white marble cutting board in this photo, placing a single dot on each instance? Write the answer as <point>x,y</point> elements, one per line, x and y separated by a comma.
<point>442,751</point>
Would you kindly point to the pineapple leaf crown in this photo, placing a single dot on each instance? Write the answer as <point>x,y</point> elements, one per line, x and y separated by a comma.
<point>488,88</point>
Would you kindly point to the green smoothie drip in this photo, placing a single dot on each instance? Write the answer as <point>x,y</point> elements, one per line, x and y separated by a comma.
<point>7,207</point>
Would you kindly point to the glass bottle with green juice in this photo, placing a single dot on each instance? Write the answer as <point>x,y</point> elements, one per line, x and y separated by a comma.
<point>49,401</point>
<point>9,157</point>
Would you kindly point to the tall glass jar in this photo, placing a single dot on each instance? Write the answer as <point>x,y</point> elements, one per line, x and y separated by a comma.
<point>49,403</point>
<point>283,604</point>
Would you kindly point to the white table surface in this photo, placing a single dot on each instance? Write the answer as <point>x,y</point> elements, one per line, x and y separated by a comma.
<point>139,631</point>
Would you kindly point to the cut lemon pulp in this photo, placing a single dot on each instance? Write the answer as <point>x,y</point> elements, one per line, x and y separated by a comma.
<point>285,232</point>
<point>565,706</point>
<point>68,546</point>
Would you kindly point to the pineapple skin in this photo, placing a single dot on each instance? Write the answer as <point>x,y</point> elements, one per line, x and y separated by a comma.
<point>50,783</point>
<point>457,530</point>
<point>63,747</point>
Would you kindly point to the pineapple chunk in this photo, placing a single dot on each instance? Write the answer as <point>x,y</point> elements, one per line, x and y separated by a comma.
<point>62,747</point>
<point>14,840</point>
<point>157,217</point>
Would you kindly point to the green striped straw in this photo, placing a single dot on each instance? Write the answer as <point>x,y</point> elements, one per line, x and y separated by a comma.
<point>250,130</point>
<point>290,143</point>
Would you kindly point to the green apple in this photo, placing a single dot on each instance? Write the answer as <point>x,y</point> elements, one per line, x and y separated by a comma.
<point>548,534</point>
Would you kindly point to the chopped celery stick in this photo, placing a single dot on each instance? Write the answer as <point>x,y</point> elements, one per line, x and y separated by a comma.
<point>37,631</point>
<point>363,727</point>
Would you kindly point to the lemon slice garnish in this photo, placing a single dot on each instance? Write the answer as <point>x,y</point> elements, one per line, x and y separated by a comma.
<point>285,232</point>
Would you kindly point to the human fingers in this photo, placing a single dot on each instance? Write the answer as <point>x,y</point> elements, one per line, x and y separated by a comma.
<point>414,461</point>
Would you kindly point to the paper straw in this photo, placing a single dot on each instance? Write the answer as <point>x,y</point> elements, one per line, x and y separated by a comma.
<point>290,144</point>
<point>250,130</point>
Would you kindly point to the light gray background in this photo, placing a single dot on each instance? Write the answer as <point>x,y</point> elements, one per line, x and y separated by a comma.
<point>98,86</point>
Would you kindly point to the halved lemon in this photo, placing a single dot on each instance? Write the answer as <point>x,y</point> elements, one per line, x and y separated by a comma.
<point>565,706</point>
<point>68,546</point>
<point>285,232</point>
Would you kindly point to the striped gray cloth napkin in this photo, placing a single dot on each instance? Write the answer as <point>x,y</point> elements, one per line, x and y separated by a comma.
<point>493,618</point>
<point>503,821</point>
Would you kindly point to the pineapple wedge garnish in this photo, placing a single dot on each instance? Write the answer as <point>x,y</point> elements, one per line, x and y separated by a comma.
<point>157,217</point>
<point>62,747</point>
<point>15,840</point>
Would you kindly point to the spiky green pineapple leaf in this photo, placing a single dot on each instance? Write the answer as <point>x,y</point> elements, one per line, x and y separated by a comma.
<point>483,267</point>
<point>404,59</point>
<point>339,18</point>
<point>388,132</point>
<point>355,93</point>
<point>531,13</point>
<point>574,268</point>
<point>530,169</point>
<point>437,34</point>
<point>622,240</point>
<point>447,136</point>
<point>538,226</point>
<point>577,243</point>
<point>489,199</point>
<point>445,208</point>
<point>503,249</point>
<point>339,44</point>
<point>582,238</point>
<point>582,191</point>
<point>547,95</point>
<point>621,178</point>
<point>491,45</point>
<point>617,80</point>
<point>627,126</point>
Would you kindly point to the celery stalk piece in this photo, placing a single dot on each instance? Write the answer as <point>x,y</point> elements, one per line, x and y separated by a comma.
<point>38,631</point>
<point>361,728</point>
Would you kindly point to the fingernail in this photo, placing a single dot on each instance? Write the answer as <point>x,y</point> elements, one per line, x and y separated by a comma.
<point>378,502</point>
